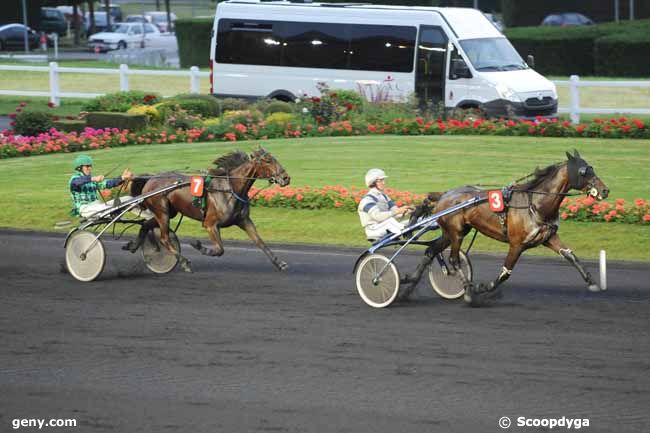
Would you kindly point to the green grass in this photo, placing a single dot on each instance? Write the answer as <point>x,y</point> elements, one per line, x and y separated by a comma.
<point>34,189</point>
<point>69,106</point>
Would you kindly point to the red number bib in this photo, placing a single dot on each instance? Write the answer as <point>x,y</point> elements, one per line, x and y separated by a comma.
<point>495,198</point>
<point>196,186</point>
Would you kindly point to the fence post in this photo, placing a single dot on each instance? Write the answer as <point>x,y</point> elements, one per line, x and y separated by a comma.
<point>574,109</point>
<point>195,80</point>
<point>54,84</point>
<point>124,78</point>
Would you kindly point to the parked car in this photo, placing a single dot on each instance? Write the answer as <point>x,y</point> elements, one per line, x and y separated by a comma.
<point>53,21</point>
<point>101,22</point>
<point>567,19</point>
<point>160,19</point>
<point>137,19</point>
<point>12,36</point>
<point>116,11</point>
<point>124,35</point>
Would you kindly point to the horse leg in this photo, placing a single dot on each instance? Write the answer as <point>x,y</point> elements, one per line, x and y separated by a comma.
<point>555,244</point>
<point>163,223</point>
<point>215,236</point>
<point>437,246</point>
<point>249,227</point>
<point>476,297</point>
<point>132,246</point>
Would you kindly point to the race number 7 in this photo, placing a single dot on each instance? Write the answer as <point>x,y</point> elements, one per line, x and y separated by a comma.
<point>495,197</point>
<point>196,186</point>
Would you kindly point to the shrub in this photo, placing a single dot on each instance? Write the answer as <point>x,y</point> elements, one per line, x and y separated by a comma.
<point>150,111</point>
<point>234,104</point>
<point>243,116</point>
<point>213,121</point>
<point>620,55</point>
<point>278,107</point>
<point>215,106</point>
<point>32,123</point>
<point>132,122</point>
<point>121,102</point>
<point>67,125</point>
<point>280,118</point>
<point>194,37</point>
<point>182,119</point>
<point>347,98</point>
<point>197,107</point>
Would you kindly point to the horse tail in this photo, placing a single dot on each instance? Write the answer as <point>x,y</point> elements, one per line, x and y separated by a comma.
<point>137,184</point>
<point>426,207</point>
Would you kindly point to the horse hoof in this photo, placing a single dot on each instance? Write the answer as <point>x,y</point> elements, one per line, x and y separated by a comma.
<point>186,266</point>
<point>196,244</point>
<point>282,266</point>
<point>594,288</point>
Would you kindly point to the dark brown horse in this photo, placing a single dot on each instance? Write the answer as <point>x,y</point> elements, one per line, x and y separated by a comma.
<point>226,202</point>
<point>530,219</point>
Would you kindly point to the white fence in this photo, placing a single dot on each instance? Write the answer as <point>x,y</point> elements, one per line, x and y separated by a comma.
<point>574,109</point>
<point>55,94</point>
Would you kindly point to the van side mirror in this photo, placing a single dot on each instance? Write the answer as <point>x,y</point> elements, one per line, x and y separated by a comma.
<point>459,69</point>
<point>531,61</point>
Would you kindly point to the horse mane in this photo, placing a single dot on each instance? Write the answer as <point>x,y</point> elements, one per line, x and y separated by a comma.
<point>539,175</point>
<point>228,162</point>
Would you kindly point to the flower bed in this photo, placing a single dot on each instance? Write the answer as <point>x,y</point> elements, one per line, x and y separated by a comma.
<point>328,197</point>
<point>339,197</point>
<point>251,128</point>
<point>588,209</point>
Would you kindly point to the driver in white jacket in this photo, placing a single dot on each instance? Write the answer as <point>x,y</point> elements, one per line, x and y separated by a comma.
<point>377,212</point>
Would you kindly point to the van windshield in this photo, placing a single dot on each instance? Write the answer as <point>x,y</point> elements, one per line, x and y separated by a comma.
<point>492,54</point>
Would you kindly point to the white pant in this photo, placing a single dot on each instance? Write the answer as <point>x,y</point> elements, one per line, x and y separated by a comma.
<point>89,209</point>
<point>378,230</point>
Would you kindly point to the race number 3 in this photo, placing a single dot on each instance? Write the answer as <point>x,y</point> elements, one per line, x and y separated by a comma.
<point>196,186</point>
<point>495,198</point>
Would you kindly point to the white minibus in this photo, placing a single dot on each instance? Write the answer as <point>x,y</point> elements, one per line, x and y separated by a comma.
<point>447,57</point>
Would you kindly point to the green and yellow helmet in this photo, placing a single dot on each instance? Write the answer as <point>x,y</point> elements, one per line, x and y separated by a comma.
<point>82,160</point>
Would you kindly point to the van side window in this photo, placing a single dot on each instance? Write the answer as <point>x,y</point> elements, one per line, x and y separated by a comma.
<point>455,58</point>
<point>316,45</point>
<point>247,42</point>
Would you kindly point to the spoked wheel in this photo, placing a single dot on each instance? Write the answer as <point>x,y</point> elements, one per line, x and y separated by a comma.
<point>84,257</point>
<point>449,286</point>
<point>377,289</point>
<point>156,257</point>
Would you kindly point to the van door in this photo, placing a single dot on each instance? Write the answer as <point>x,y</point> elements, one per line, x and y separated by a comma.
<point>430,66</point>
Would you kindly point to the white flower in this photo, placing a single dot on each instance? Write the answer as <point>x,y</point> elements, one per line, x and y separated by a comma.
<point>297,100</point>
<point>305,110</point>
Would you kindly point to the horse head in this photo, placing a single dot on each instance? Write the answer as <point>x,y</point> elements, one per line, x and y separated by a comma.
<point>267,167</point>
<point>583,177</point>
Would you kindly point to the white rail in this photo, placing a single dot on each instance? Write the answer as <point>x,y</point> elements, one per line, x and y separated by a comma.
<point>575,109</point>
<point>55,94</point>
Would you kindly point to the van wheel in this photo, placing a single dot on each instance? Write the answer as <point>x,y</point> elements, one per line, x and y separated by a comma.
<point>121,45</point>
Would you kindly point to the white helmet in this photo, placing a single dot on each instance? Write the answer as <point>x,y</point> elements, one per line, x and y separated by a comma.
<point>373,175</point>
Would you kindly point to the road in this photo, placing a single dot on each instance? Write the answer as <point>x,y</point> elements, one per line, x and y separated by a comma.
<point>238,347</point>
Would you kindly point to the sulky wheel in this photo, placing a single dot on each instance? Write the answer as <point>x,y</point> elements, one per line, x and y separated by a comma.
<point>445,285</point>
<point>84,255</point>
<point>156,257</point>
<point>377,290</point>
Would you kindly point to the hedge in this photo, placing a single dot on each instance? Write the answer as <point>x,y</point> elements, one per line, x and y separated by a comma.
<point>131,122</point>
<point>67,125</point>
<point>193,36</point>
<point>623,55</point>
<point>205,105</point>
<point>574,50</point>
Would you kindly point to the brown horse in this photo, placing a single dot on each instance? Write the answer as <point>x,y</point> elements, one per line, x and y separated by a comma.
<point>225,203</point>
<point>530,219</point>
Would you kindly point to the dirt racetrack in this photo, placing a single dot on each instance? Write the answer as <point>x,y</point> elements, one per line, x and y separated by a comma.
<point>238,347</point>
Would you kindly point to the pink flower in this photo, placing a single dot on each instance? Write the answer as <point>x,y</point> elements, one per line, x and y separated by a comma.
<point>646,217</point>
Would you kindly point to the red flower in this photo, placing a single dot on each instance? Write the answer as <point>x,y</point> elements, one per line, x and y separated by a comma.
<point>564,215</point>
<point>338,204</point>
<point>349,106</point>
<point>646,217</point>
<point>50,104</point>
<point>22,104</point>
<point>620,201</point>
<point>230,136</point>
<point>639,123</point>
<point>18,109</point>
<point>639,202</point>
<point>12,115</point>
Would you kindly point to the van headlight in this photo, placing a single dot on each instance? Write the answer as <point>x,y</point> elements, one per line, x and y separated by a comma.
<point>507,93</point>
